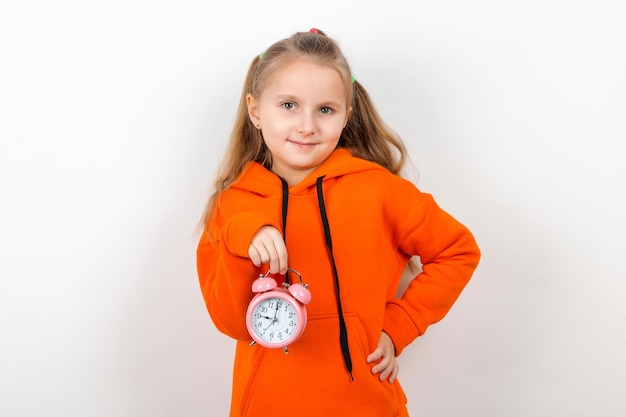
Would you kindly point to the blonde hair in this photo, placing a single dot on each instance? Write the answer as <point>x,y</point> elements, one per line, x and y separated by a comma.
<point>366,135</point>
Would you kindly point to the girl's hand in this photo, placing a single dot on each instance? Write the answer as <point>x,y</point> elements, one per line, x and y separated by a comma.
<point>268,247</point>
<point>385,354</point>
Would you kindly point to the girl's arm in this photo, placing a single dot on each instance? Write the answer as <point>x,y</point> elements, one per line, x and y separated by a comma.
<point>226,272</point>
<point>449,255</point>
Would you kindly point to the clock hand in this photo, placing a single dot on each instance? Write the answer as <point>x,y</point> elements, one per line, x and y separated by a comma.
<point>268,326</point>
<point>275,312</point>
<point>274,319</point>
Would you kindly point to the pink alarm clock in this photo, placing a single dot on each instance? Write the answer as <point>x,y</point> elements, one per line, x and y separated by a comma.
<point>277,316</point>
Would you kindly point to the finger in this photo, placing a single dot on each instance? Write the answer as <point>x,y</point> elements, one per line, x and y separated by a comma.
<point>386,372</point>
<point>394,373</point>
<point>277,256</point>
<point>381,366</point>
<point>375,355</point>
<point>258,246</point>
<point>264,255</point>
<point>391,369</point>
<point>281,255</point>
<point>272,257</point>
<point>254,255</point>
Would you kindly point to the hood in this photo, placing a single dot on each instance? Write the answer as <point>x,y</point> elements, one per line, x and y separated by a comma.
<point>258,179</point>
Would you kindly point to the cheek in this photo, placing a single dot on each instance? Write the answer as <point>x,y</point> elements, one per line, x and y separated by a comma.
<point>273,123</point>
<point>337,130</point>
<point>272,134</point>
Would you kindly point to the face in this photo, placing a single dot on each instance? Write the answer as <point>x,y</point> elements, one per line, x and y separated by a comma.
<point>301,114</point>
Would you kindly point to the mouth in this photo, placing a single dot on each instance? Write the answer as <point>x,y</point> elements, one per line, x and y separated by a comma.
<point>303,145</point>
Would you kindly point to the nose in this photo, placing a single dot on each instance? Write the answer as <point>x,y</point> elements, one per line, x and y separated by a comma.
<point>306,125</point>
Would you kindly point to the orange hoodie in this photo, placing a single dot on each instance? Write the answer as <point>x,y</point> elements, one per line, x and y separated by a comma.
<point>377,221</point>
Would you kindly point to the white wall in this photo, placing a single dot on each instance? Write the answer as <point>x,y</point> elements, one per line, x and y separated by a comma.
<point>114,114</point>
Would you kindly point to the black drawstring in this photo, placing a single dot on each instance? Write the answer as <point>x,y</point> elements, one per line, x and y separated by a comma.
<point>285,206</point>
<point>343,332</point>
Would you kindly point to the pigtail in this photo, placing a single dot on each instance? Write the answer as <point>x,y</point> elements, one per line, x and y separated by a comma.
<point>367,135</point>
<point>245,145</point>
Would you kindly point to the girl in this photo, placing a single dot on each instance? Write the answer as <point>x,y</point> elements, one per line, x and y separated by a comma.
<point>311,182</point>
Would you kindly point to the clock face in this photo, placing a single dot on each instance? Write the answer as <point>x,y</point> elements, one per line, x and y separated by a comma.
<point>275,320</point>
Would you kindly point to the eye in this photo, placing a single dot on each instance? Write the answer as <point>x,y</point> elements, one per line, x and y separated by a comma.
<point>288,105</point>
<point>326,110</point>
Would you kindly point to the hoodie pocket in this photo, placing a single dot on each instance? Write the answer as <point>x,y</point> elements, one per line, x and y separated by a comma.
<point>361,349</point>
<point>312,379</point>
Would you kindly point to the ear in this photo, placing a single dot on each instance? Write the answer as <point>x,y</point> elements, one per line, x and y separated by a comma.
<point>253,109</point>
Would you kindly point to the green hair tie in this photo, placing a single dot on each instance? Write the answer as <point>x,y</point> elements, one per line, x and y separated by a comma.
<point>352,79</point>
<point>261,55</point>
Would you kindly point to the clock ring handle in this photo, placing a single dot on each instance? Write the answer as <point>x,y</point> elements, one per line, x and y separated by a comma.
<point>297,273</point>
<point>299,291</point>
<point>288,269</point>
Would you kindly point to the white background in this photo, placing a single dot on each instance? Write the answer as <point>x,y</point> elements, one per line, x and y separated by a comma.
<point>114,114</point>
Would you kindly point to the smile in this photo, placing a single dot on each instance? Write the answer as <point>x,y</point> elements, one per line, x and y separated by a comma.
<point>301,144</point>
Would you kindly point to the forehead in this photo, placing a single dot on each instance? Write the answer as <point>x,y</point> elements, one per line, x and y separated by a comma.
<point>306,76</point>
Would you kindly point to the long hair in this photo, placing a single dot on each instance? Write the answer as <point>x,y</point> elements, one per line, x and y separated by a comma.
<point>366,135</point>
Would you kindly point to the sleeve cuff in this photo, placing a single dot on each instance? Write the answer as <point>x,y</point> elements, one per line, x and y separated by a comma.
<point>399,326</point>
<point>237,233</point>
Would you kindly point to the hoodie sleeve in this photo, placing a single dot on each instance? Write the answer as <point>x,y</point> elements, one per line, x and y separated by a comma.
<point>449,255</point>
<point>225,271</point>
